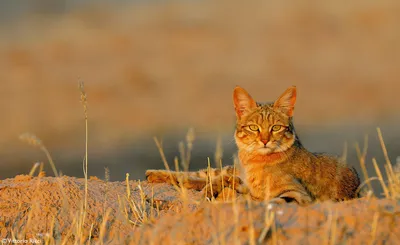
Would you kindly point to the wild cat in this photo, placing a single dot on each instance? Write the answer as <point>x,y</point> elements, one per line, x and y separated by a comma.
<point>273,162</point>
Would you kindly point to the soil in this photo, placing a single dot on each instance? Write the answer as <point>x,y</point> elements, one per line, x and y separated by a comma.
<point>36,208</point>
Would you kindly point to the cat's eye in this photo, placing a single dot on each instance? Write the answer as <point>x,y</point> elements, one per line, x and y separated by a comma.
<point>253,127</point>
<point>276,128</point>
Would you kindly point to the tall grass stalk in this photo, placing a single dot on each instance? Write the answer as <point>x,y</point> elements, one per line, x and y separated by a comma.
<point>393,177</point>
<point>218,153</point>
<point>374,227</point>
<point>361,158</point>
<point>33,140</point>
<point>378,172</point>
<point>85,167</point>
<point>210,179</point>
<point>35,166</point>
<point>252,238</point>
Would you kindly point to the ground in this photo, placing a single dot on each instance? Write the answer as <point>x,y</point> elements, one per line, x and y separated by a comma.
<point>141,212</point>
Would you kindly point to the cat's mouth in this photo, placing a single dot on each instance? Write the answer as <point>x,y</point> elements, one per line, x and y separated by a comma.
<point>264,150</point>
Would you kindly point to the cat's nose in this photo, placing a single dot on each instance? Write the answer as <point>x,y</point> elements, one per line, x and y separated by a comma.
<point>264,141</point>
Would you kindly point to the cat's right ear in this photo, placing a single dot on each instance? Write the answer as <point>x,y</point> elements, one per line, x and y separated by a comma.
<point>242,101</point>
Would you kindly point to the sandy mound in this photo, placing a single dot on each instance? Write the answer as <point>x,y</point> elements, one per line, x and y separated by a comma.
<point>34,208</point>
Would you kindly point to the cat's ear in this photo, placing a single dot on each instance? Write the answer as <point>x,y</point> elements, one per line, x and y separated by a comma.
<point>242,101</point>
<point>287,101</point>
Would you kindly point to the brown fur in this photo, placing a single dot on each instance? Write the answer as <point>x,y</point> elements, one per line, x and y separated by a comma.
<point>220,178</point>
<point>273,162</point>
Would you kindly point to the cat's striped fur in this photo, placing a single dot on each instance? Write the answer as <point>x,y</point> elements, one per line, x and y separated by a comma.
<point>273,162</point>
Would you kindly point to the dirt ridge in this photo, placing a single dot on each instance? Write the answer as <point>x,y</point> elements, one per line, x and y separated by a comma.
<point>33,207</point>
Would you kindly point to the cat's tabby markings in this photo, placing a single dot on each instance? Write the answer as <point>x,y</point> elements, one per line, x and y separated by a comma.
<point>273,162</point>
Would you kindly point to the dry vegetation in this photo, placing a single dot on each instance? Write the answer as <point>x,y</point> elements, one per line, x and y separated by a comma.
<point>67,210</point>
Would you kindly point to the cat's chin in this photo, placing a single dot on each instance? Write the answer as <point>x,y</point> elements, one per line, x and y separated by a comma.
<point>264,150</point>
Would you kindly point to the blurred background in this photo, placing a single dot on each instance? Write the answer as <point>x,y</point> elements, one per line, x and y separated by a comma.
<point>158,68</point>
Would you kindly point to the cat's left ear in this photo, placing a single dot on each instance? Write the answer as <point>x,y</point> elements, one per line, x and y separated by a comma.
<point>287,101</point>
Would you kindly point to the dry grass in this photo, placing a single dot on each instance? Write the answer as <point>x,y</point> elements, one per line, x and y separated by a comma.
<point>145,211</point>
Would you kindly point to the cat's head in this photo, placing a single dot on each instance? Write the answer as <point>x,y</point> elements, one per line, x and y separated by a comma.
<point>264,128</point>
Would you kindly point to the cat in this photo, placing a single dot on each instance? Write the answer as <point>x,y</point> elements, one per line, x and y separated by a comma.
<point>274,165</point>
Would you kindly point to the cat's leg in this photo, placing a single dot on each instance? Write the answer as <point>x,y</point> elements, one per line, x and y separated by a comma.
<point>295,196</point>
<point>162,176</point>
<point>212,181</point>
<point>289,190</point>
<point>293,193</point>
<point>188,180</point>
<point>219,180</point>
